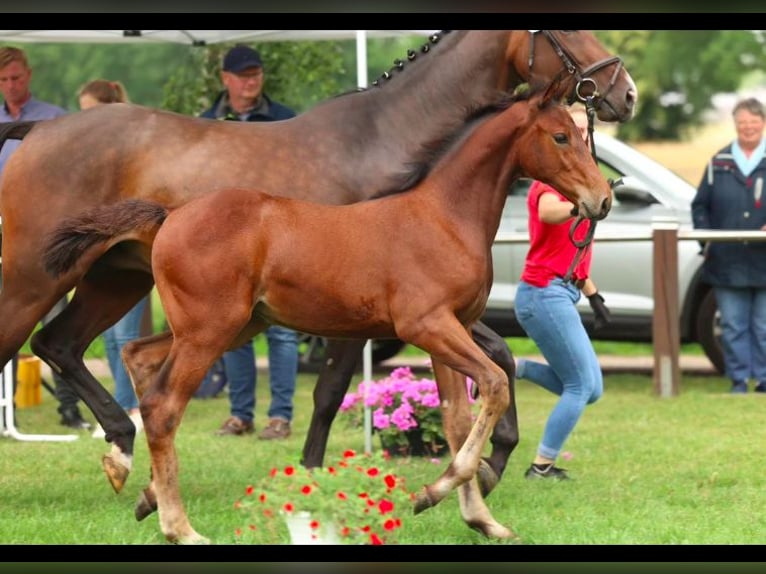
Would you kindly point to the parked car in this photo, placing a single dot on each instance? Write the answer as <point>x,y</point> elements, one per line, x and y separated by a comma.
<point>622,269</point>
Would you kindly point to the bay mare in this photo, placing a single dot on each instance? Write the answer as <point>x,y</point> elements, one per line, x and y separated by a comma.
<point>342,151</point>
<point>416,265</point>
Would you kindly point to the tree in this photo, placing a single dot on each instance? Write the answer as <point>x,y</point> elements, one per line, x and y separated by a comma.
<point>677,72</point>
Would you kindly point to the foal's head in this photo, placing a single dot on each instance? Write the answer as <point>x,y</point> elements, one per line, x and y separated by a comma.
<point>551,149</point>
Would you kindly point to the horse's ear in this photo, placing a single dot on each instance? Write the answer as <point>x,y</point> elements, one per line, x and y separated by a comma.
<point>558,87</point>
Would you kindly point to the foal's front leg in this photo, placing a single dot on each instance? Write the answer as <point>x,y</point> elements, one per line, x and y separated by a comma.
<point>448,342</point>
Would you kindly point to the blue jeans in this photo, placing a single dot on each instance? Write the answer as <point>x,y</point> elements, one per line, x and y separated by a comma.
<point>743,331</point>
<point>283,370</point>
<point>549,316</point>
<point>115,338</point>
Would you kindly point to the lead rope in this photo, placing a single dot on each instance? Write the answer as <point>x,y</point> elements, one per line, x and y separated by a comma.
<point>584,245</point>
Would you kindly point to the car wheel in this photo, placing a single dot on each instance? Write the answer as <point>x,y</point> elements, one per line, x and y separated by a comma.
<point>311,351</point>
<point>709,331</point>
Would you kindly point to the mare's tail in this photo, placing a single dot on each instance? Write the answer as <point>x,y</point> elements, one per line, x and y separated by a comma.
<point>72,239</point>
<point>15,130</point>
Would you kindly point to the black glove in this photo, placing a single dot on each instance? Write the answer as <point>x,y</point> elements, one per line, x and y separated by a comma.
<point>601,314</point>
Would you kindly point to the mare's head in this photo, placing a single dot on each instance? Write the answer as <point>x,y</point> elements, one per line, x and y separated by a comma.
<point>537,57</point>
<point>551,149</point>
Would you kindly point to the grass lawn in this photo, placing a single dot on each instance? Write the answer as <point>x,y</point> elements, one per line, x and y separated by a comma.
<point>680,471</point>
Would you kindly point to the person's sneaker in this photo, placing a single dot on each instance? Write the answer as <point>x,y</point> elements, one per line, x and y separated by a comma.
<point>276,429</point>
<point>739,388</point>
<point>235,426</point>
<point>546,471</point>
<point>72,418</point>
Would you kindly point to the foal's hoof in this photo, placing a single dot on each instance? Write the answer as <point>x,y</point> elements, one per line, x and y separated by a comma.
<point>192,539</point>
<point>116,472</point>
<point>423,501</point>
<point>487,478</point>
<point>146,504</point>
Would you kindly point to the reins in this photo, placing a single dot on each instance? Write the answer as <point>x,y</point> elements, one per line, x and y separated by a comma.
<point>584,245</point>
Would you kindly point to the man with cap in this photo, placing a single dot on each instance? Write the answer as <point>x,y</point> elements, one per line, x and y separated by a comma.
<point>243,100</point>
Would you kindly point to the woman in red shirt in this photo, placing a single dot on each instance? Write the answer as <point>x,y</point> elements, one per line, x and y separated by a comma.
<point>545,307</point>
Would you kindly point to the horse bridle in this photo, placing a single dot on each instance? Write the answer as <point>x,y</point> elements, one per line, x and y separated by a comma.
<point>583,77</point>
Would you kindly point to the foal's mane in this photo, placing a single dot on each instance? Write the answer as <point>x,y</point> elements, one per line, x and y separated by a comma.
<point>431,152</point>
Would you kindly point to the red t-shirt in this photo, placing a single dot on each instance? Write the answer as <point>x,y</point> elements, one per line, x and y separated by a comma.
<point>550,250</point>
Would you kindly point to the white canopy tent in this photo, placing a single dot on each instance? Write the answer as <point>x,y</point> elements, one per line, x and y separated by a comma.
<point>192,38</point>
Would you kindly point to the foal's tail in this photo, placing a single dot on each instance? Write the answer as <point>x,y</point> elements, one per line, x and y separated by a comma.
<point>15,130</point>
<point>73,238</point>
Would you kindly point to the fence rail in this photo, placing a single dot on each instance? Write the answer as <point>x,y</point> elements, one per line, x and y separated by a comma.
<point>666,340</point>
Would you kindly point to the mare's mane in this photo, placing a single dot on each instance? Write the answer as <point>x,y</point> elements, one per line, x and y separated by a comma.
<point>399,65</point>
<point>431,152</point>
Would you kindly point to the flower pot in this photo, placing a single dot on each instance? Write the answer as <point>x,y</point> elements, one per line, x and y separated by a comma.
<point>301,531</point>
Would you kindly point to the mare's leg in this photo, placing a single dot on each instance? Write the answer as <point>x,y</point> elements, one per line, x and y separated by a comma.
<point>341,359</point>
<point>456,414</point>
<point>448,342</point>
<point>505,435</point>
<point>99,301</point>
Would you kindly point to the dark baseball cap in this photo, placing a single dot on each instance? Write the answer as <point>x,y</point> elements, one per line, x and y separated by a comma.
<point>240,58</point>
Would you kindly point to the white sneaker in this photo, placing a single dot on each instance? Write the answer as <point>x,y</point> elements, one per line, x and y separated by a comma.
<point>99,432</point>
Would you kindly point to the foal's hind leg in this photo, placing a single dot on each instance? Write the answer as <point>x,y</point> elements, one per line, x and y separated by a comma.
<point>341,359</point>
<point>143,360</point>
<point>505,435</point>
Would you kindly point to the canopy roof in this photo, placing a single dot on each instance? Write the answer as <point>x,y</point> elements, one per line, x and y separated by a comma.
<point>192,37</point>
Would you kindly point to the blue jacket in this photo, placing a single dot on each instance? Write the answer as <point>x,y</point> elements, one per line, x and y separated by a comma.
<point>270,112</point>
<point>726,199</point>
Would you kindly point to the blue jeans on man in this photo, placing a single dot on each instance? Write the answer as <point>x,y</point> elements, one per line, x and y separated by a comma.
<point>743,335</point>
<point>115,337</point>
<point>549,316</point>
<point>241,374</point>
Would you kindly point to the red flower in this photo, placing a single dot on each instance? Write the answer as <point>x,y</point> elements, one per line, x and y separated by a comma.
<point>306,489</point>
<point>345,531</point>
<point>252,527</point>
<point>289,470</point>
<point>349,453</point>
<point>288,507</point>
<point>273,472</point>
<point>375,540</point>
<point>237,504</point>
<point>238,532</point>
<point>342,495</point>
<point>389,524</point>
<point>390,480</point>
<point>331,470</point>
<point>373,471</point>
<point>249,490</point>
<point>262,497</point>
<point>385,506</point>
<point>314,524</point>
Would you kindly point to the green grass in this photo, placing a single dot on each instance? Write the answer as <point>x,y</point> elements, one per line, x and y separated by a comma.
<point>645,470</point>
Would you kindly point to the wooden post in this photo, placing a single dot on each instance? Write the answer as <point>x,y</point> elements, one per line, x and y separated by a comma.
<point>665,327</point>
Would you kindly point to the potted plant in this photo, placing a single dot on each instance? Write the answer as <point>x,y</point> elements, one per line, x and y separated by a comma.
<point>406,413</point>
<point>358,499</point>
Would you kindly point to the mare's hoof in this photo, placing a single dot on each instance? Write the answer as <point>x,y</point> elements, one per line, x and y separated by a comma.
<point>145,505</point>
<point>487,478</point>
<point>116,473</point>
<point>423,501</point>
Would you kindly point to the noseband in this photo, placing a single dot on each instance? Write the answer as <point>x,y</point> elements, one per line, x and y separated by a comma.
<point>583,77</point>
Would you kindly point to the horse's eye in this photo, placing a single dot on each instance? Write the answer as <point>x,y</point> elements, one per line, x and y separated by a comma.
<point>561,139</point>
